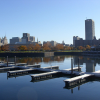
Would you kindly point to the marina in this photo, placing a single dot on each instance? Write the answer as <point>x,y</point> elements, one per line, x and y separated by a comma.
<point>27,69</point>
<point>49,71</point>
<point>68,78</point>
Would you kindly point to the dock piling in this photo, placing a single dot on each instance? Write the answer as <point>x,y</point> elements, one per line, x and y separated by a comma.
<point>78,87</point>
<point>71,90</point>
<point>15,60</point>
<point>71,66</point>
<point>78,65</point>
<point>7,61</point>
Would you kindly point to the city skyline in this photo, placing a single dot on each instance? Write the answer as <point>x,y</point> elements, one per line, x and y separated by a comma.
<point>48,20</point>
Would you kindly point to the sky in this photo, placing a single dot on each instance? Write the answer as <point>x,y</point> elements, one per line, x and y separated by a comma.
<point>48,20</point>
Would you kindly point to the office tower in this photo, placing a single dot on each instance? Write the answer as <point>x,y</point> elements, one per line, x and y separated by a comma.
<point>89,29</point>
<point>14,40</point>
<point>26,37</point>
<point>75,38</point>
<point>32,38</point>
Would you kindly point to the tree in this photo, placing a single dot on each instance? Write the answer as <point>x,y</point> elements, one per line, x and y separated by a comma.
<point>80,48</point>
<point>0,48</point>
<point>37,47</point>
<point>30,47</point>
<point>16,47</point>
<point>59,47</point>
<point>87,47</point>
<point>67,48</point>
<point>84,48</point>
<point>72,48</point>
<point>22,48</point>
<point>5,48</point>
<point>46,47</point>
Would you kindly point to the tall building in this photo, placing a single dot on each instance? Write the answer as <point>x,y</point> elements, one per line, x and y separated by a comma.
<point>3,41</point>
<point>26,37</point>
<point>89,29</point>
<point>14,40</point>
<point>32,38</point>
<point>75,38</point>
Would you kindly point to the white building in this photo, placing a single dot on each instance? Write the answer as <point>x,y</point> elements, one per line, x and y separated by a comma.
<point>52,43</point>
<point>3,41</point>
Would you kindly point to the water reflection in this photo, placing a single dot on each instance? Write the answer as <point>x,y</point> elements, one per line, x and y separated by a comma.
<point>78,86</point>
<point>37,60</point>
<point>90,62</point>
<point>90,65</point>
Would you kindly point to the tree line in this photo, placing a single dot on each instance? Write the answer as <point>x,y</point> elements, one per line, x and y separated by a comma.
<point>45,47</point>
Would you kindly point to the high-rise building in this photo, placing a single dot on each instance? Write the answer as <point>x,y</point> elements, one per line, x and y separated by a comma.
<point>75,38</point>
<point>26,37</point>
<point>14,40</point>
<point>89,29</point>
<point>32,38</point>
<point>3,41</point>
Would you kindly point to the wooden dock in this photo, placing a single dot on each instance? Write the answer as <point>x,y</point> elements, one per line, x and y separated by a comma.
<point>51,67</point>
<point>19,72</point>
<point>48,69</point>
<point>8,69</point>
<point>27,70</point>
<point>50,72</point>
<point>74,69</point>
<point>78,79</point>
<point>34,66</point>
<point>12,64</point>
<point>44,75</point>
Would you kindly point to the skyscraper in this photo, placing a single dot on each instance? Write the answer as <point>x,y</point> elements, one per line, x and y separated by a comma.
<point>89,29</point>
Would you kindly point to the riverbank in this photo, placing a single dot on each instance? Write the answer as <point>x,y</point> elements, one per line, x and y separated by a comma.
<point>37,54</point>
<point>47,54</point>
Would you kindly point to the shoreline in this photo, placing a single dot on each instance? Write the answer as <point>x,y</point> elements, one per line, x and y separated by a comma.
<point>48,54</point>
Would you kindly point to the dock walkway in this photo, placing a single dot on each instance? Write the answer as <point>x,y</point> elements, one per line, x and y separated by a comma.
<point>78,79</point>
<point>18,72</point>
<point>27,70</point>
<point>44,75</point>
<point>7,68</point>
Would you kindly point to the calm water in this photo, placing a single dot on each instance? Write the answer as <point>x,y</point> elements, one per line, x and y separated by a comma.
<point>21,88</point>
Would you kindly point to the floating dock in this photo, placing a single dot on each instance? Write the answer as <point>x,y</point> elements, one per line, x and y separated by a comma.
<point>44,75</point>
<point>12,64</point>
<point>48,69</point>
<point>19,72</point>
<point>8,68</point>
<point>77,80</point>
<point>27,70</point>
<point>51,67</point>
<point>74,69</point>
<point>32,66</point>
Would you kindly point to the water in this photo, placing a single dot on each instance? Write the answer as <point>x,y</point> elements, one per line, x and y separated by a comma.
<point>21,88</point>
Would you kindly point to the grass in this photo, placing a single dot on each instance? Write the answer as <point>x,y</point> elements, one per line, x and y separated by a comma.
<point>21,51</point>
<point>71,51</point>
<point>39,51</point>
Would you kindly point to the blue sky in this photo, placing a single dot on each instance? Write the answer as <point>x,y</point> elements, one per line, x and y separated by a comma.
<point>48,19</point>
